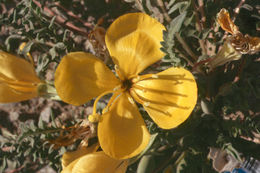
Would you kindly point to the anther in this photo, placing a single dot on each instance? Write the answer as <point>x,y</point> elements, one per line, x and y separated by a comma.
<point>131,100</point>
<point>154,76</point>
<point>117,88</point>
<point>146,104</point>
<point>136,79</point>
<point>94,118</point>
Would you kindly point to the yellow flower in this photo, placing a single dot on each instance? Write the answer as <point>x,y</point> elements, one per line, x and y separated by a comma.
<point>88,160</point>
<point>18,80</point>
<point>133,41</point>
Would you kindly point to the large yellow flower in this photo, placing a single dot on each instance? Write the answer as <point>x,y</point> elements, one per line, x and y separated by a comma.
<point>88,160</point>
<point>133,41</point>
<point>18,80</point>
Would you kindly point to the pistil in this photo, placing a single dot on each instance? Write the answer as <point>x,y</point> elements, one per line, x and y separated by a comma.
<point>95,117</point>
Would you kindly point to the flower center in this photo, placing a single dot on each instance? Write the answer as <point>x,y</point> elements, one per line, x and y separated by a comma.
<point>126,85</point>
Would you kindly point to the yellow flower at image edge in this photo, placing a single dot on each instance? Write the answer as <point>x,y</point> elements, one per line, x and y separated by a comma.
<point>133,41</point>
<point>88,160</point>
<point>18,80</point>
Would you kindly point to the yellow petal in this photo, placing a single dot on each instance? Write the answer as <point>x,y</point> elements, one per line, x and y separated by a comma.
<point>99,163</point>
<point>68,169</point>
<point>18,80</point>
<point>169,96</point>
<point>133,41</point>
<point>122,132</point>
<point>81,76</point>
<point>69,157</point>
<point>8,94</point>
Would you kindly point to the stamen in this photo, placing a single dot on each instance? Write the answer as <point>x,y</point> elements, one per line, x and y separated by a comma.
<point>114,97</point>
<point>98,98</point>
<point>135,79</point>
<point>159,110</point>
<point>142,100</point>
<point>154,76</point>
<point>145,89</point>
<point>119,73</point>
<point>131,100</point>
<point>142,77</point>
<point>146,104</point>
<point>161,77</point>
<point>117,88</point>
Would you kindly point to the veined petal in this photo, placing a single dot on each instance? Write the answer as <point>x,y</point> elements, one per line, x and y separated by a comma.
<point>18,80</point>
<point>9,94</point>
<point>133,41</point>
<point>81,76</point>
<point>122,132</point>
<point>169,97</point>
<point>99,162</point>
<point>15,68</point>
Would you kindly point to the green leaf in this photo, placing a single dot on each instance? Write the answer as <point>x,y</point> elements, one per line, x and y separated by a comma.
<point>146,164</point>
<point>171,3</point>
<point>41,123</point>
<point>52,22</point>
<point>176,23</point>
<point>178,5</point>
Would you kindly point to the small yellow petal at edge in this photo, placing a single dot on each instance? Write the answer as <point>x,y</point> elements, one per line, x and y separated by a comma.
<point>69,157</point>
<point>97,162</point>
<point>18,80</point>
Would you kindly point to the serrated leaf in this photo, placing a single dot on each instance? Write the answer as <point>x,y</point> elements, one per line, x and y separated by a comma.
<point>66,32</point>
<point>60,45</point>
<point>176,24</point>
<point>14,17</point>
<point>178,5</point>
<point>170,3</point>
<point>32,126</point>
<point>42,63</point>
<point>50,150</point>
<point>27,152</point>
<point>52,22</point>
<point>41,123</point>
<point>7,134</point>
<point>52,52</point>
<point>53,122</point>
